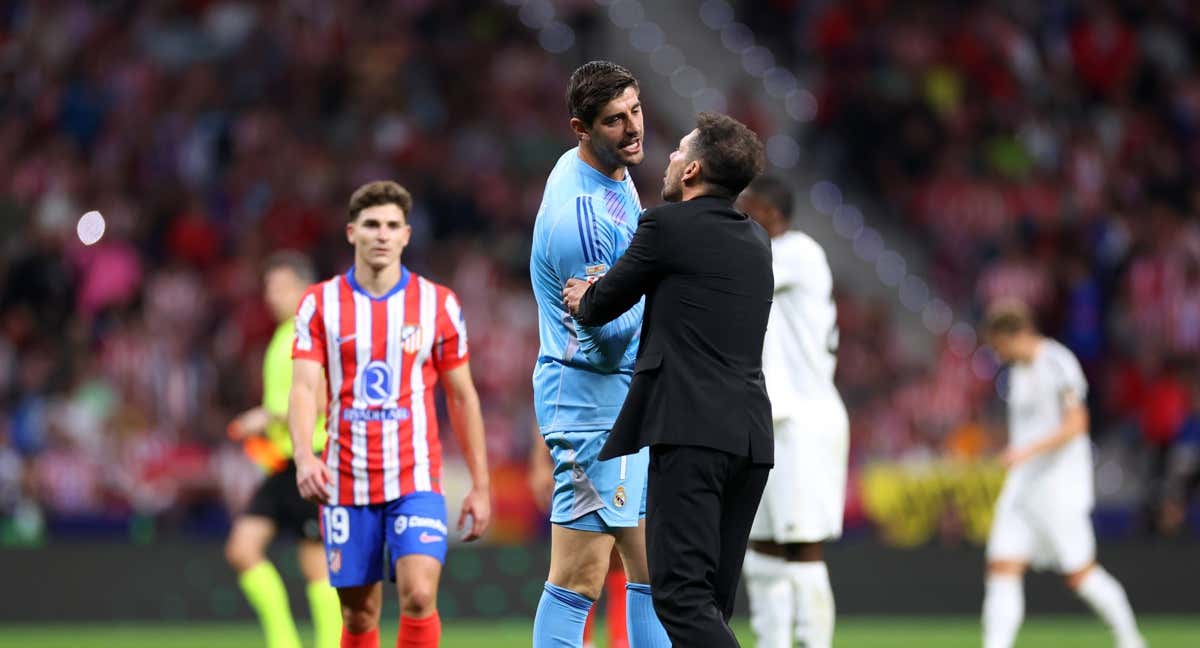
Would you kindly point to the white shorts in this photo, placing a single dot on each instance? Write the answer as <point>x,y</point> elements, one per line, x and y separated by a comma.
<point>805,497</point>
<point>1059,540</point>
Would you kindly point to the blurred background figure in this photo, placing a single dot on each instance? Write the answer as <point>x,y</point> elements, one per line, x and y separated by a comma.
<point>791,599</point>
<point>1042,517</point>
<point>277,506</point>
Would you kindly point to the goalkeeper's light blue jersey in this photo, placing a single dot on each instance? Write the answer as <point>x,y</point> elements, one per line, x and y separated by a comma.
<point>584,224</point>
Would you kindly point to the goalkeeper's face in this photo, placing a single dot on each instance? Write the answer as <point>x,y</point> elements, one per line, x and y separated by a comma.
<point>379,234</point>
<point>615,136</point>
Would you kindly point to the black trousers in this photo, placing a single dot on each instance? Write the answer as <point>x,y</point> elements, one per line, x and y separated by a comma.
<point>699,508</point>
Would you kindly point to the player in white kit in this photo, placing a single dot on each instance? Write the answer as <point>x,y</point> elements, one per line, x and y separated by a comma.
<point>790,596</point>
<point>1042,516</point>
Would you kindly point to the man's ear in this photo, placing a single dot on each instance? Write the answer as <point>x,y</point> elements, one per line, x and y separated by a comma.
<point>691,172</point>
<point>580,129</point>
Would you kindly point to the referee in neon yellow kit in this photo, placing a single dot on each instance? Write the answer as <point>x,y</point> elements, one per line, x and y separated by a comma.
<point>277,505</point>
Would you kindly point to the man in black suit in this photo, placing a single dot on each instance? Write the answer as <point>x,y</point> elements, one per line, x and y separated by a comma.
<point>697,397</point>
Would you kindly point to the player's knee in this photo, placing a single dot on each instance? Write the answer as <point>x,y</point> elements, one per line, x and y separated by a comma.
<point>1005,568</point>
<point>241,557</point>
<point>418,599</point>
<point>361,618</point>
<point>1075,579</point>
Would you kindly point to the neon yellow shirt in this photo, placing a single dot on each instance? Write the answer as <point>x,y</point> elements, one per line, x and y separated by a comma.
<point>277,383</point>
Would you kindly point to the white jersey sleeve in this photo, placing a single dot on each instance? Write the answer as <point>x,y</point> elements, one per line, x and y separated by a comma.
<point>1070,384</point>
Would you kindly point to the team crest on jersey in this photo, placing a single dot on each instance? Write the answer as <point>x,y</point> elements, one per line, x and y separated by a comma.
<point>401,525</point>
<point>375,382</point>
<point>335,561</point>
<point>619,497</point>
<point>410,336</point>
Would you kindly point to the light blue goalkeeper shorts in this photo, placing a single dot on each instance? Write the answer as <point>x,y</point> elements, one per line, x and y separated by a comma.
<point>594,495</point>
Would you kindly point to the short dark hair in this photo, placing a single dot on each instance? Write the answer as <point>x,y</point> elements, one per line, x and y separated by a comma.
<point>593,85</point>
<point>730,154</point>
<point>1007,317</point>
<point>380,192</point>
<point>775,191</point>
<point>294,261</point>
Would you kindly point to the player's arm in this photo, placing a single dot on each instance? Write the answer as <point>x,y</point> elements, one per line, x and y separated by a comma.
<point>252,422</point>
<point>312,475</point>
<point>1074,424</point>
<point>630,277</point>
<point>579,251</point>
<point>466,420</point>
<point>605,345</point>
<point>306,397</point>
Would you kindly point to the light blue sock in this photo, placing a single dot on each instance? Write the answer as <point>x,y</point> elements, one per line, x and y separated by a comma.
<point>561,615</point>
<point>641,623</point>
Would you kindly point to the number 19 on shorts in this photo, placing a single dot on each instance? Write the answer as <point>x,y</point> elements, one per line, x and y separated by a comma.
<point>337,524</point>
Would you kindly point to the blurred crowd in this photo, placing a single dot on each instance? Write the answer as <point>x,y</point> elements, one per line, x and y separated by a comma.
<point>1042,148</point>
<point>210,134</point>
<point>1046,151</point>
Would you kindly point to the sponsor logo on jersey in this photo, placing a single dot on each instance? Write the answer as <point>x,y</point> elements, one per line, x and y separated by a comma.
<point>342,339</point>
<point>597,270</point>
<point>410,336</point>
<point>375,382</point>
<point>619,497</point>
<point>335,560</point>
<point>355,415</point>
<point>427,538</point>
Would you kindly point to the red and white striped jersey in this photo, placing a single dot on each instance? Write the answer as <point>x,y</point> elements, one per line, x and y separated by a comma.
<point>382,357</point>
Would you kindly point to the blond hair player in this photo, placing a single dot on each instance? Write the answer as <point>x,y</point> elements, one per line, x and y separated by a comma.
<point>1043,513</point>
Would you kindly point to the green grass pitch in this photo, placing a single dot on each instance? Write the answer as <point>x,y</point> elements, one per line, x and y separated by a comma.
<point>852,632</point>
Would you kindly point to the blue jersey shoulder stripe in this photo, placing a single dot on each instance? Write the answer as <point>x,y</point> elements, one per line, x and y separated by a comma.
<point>585,229</point>
<point>579,224</point>
<point>595,231</point>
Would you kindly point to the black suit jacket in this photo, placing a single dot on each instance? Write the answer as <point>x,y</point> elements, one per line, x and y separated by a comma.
<point>705,269</point>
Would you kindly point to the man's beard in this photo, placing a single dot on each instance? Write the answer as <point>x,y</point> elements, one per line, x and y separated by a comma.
<point>611,155</point>
<point>672,190</point>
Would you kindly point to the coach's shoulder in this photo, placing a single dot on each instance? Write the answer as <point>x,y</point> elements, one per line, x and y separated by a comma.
<point>667,213</point>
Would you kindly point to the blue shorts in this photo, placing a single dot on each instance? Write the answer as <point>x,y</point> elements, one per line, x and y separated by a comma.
<point>360,539</point>
<point>594,495</point>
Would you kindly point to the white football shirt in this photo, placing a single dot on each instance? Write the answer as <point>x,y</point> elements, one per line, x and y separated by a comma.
<point>799,351</point>
<point>1039,394</point>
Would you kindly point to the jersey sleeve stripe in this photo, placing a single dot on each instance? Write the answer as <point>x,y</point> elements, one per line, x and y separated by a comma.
<point>585,236</point>
<point>591,210</point>
<point>454,313</point>
<point>308,308</point>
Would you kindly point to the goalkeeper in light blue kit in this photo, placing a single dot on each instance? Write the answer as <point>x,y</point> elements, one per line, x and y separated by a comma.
<point>588,215</point>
